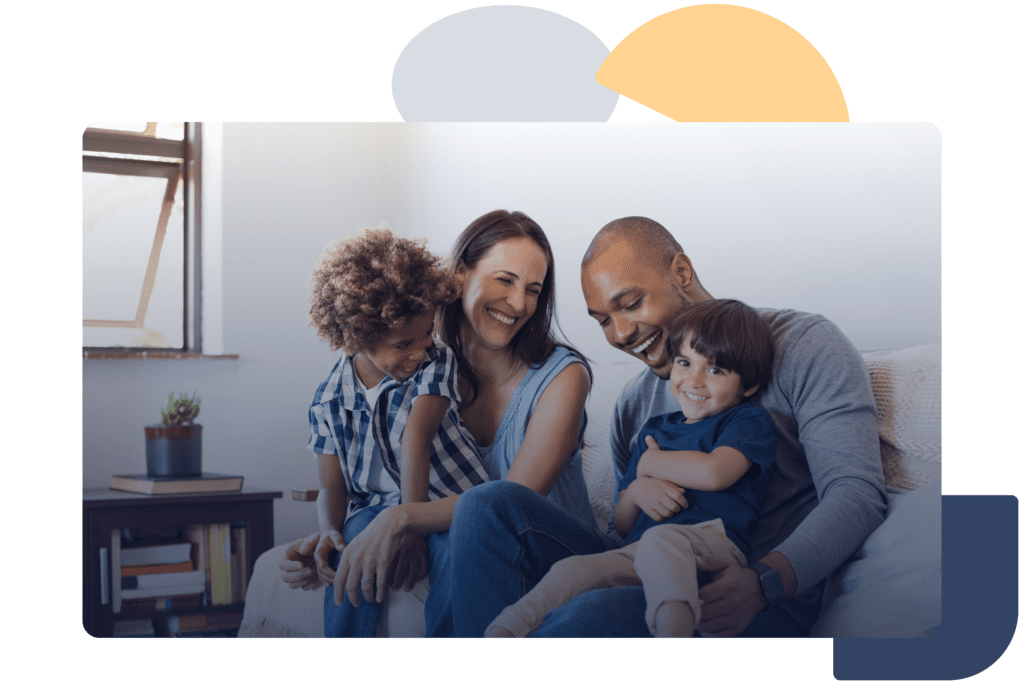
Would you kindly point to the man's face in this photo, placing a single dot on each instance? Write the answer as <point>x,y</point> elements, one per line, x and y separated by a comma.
<point>634,301</point>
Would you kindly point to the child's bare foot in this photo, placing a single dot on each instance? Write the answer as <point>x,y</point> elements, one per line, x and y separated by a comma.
<point>498,632</point>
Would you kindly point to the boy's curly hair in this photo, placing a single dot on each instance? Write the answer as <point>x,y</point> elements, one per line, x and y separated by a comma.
<point>372,282</point>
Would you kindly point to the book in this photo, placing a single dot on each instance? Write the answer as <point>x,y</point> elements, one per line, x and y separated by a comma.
<point>199,534</point>
<point>115,571</point>
<point>206,482</point>
<point>193,576</point>
<point>163,603</point>
<point>140,570</point>
<point>208,633</point>
<point>160,591</point>
<point>220,564</point>
<point>239,563</point>
<point>184,625</point>
<point>124,628</point>
<point>167,553</point>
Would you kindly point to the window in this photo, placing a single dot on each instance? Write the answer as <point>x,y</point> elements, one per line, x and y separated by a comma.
<point>142,282</point>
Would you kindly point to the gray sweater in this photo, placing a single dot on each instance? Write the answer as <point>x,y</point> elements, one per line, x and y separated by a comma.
<point>827,492</point>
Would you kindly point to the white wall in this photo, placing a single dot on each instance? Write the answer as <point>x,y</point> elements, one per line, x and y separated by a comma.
<point>839,219</point>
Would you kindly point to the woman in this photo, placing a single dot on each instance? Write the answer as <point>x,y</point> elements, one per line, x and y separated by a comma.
<point>523,398</point>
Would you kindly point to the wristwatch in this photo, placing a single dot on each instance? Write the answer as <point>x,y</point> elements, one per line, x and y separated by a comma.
<point>771,582</point>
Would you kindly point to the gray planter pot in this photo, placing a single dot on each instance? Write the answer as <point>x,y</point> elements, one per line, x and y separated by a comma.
<point>174,450</point>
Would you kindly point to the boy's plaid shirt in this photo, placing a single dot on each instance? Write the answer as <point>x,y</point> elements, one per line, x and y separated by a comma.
<point>368,440</point>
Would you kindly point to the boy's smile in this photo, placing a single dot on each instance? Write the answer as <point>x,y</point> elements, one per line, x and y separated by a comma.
<point>398,354</point>
<point>702,389</point>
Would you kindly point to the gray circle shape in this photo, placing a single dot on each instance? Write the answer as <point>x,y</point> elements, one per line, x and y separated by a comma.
<point>505,63</point>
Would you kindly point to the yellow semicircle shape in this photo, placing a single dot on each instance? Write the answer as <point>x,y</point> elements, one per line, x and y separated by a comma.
<point>724,63</point>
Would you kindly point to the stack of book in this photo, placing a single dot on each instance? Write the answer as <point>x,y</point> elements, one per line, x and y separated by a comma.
<point>159,576</point>
<point>205,567</point>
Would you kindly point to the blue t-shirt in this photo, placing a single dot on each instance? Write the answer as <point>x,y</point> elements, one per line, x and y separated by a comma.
<point>746,428</point>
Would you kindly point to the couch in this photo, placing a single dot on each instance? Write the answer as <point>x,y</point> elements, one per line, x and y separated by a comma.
<point>890,588</point>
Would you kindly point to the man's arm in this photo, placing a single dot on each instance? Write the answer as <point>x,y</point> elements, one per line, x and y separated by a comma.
<point>829,389</point>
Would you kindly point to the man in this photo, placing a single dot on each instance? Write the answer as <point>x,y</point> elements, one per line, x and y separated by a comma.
<point>827,493</point>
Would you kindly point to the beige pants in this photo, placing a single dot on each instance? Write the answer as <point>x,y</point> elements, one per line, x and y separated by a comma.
<point>665,561</point>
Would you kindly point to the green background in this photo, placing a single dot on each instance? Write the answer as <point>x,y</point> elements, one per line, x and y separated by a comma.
<point>953,66</point>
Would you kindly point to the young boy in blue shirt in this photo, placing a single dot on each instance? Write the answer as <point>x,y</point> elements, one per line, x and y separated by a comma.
<point>722,448</point>
<point>384,423</point>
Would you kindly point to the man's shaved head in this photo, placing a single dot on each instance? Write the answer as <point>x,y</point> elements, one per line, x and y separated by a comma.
<point>649,236</point>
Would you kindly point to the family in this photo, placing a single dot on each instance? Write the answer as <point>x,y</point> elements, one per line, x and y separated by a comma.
<point>449,438</point>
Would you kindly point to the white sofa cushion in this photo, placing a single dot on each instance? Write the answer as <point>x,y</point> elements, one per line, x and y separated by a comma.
<point>907,384</point>
<point>892,586</point>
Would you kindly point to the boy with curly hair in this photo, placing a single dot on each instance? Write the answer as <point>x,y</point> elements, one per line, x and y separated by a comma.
<point>721,448</point>
<point>384,422</point>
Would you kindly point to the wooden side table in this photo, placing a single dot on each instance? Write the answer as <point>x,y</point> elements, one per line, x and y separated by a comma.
<point>104,510</point>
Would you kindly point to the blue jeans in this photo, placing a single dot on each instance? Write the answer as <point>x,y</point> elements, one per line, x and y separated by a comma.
<point>505,537</point>
<point>345,620</point>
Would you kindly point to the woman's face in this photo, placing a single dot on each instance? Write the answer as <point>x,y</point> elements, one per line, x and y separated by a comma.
<point>499,294</point>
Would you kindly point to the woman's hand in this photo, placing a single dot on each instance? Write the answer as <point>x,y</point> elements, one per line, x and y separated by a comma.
<point>299,566</point>
<point>329,542</point>
<point>659,499</point>
<point>368,559</point>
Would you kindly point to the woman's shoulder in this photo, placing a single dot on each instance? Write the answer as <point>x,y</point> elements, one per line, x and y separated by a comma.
<point>560,358</point>
<point>565,368</point>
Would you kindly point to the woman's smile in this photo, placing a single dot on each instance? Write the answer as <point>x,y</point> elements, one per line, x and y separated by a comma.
<point>500,293</point>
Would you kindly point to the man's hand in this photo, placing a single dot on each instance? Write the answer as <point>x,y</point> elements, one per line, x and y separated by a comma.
<point>731,599</point>
<point>298,566</point>
<point>368,559</point>
<point>659,499</point>
<point>329,542</point>
<point>411,564</point>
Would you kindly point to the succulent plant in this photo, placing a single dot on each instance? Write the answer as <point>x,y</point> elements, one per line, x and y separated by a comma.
<point>180,411</point>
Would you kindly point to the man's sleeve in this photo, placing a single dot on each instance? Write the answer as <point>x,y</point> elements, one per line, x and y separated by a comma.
<point>620,439</point>
<point>828,385</point>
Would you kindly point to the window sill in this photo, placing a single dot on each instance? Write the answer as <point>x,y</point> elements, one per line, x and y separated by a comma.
<point>150,355</point>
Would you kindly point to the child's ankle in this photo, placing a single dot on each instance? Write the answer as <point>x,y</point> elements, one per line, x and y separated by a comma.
<point>674,619</point>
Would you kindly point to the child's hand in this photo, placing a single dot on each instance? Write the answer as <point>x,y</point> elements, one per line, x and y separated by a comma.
<point>329,541</point>
<point>650,454</point>
<point>298,565</point>
<point>659,499</point>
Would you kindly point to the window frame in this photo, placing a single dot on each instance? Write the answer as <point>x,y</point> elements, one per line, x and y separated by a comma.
<point>189,150</point>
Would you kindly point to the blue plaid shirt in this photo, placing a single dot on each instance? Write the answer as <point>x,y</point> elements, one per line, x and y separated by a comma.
<point>367,440</point>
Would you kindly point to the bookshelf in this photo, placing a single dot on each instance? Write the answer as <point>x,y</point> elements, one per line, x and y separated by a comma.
<point>106,513</point>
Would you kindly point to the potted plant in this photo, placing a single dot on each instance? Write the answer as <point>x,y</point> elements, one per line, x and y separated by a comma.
<point>174,448</point>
